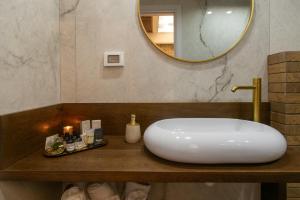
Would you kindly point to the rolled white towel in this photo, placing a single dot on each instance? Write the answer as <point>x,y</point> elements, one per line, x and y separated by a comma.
<point>97,191</point>
<point>74,193</point>
<point>136,191</point>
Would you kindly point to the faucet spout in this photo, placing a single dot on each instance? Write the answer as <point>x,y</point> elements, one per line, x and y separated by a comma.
<point>235,88</point>
<point>256,87</point>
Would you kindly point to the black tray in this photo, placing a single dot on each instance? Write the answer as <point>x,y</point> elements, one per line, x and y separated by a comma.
<point>65,153</point>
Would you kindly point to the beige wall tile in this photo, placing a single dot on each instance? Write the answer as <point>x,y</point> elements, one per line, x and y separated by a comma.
<point>284,87</point>
<point>284,67</point>
<point>287,119</point>
<point>289,130</point>
<point>284,97</point>
<point>293,140</point>
<point>293,192</point>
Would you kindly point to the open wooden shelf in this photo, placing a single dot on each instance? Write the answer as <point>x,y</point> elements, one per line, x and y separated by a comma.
<point>119,161</point>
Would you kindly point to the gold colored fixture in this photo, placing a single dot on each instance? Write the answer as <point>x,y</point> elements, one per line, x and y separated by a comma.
<point>250,18</point>
<point>132,121</point>
<point>256,87</point>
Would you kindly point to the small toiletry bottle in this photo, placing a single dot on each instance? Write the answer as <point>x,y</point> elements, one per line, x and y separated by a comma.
<point>98,136</point>
<point>66,139</point>
<point>74,138</point>
<point>70,146</point>
<point>79,144</point>
<point>133,131</point>
<point>84,126</point>
<point>90,137</point>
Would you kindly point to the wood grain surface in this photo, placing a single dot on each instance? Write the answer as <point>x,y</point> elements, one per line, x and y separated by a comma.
<point>284,67</point>
<point>24,132</point>
<point>114,116</point>
<point>119,161</point>
<point>289,56</point>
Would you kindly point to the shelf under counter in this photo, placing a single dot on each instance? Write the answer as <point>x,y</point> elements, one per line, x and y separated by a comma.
<point>119,161</point>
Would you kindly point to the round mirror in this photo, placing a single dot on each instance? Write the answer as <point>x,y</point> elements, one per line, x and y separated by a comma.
<point>195,30</point>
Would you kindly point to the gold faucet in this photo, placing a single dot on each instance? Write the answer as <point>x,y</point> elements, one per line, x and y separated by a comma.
<point>256,87</point>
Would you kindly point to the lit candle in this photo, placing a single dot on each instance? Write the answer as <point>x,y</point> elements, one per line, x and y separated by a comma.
<point>68,129</point>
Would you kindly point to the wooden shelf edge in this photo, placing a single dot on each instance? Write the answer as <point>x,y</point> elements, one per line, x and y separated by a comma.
<point>122,162</point>
<point>114,176</point>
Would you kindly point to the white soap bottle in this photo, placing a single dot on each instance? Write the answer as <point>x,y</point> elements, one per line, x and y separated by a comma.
<point>133,131</point>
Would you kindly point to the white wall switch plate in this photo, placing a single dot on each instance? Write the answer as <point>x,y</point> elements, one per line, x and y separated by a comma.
<point>114,59</point>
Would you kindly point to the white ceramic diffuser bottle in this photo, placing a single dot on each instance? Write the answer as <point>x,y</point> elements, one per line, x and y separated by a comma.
<point>133,131</point>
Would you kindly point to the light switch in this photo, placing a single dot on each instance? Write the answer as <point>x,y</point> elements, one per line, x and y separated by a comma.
<point>113,59</point>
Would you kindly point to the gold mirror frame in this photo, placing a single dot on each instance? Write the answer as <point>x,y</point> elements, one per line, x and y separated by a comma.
<point>198,61</point>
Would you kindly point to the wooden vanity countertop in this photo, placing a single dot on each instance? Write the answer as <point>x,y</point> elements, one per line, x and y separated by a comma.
<point>119,161</point>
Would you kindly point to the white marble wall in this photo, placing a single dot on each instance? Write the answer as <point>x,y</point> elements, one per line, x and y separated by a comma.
<point>285,25</point>
<point>29,56</point>
<point>88,28</point>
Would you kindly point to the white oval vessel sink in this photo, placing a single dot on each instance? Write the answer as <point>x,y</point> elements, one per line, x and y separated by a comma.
<point>214,141</point>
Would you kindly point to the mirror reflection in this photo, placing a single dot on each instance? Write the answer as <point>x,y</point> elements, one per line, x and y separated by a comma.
<point>195,30</point>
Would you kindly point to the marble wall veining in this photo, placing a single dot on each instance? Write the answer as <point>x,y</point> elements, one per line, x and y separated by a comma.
<point>29,56</point>
<point>88,28</point>
<point>68,50</point>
